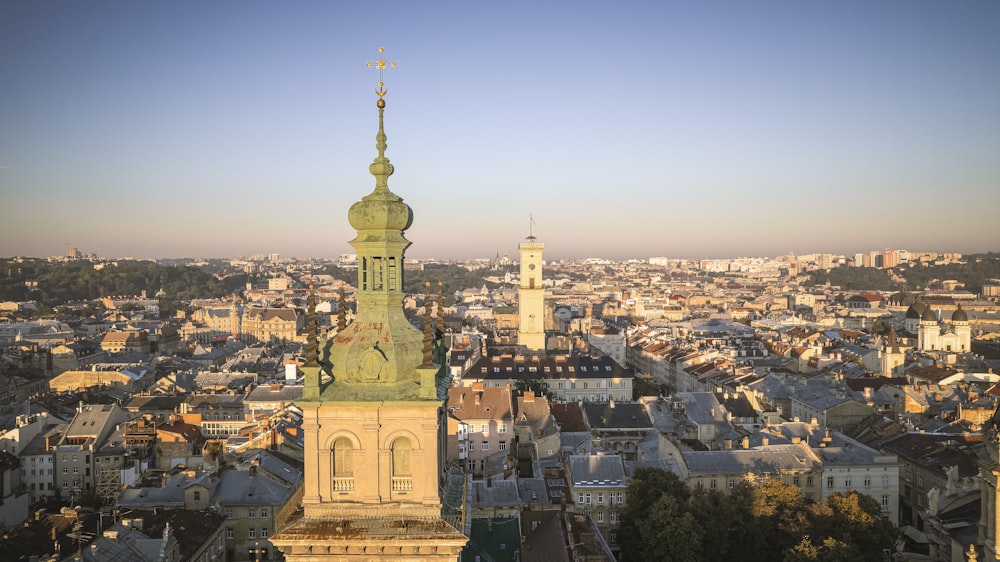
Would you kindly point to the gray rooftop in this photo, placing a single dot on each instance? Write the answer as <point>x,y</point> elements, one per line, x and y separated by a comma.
<point>759,460</point>
<point>597,470</point>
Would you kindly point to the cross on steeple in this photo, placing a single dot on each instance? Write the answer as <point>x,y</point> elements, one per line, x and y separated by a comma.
<point>380,65</point>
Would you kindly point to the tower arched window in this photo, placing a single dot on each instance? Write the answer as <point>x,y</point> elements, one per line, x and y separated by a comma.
<point>401,452</point>
<point>343,457</point>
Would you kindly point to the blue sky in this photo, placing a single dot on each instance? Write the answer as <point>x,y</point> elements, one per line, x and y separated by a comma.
<point>628,129</point>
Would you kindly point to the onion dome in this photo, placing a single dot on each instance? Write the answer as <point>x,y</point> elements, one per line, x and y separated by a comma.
<point>916,310</point>
<point>928,315</point>
<point>959,315</point>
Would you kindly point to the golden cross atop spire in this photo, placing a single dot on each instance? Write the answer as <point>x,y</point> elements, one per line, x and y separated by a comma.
<point>380,65</point>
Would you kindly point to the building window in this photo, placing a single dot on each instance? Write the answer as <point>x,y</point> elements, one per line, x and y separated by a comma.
<point>614,517</point>
<point>885,480</point>
<point>809,480</point>
<point>868,480</point>
<point>485,446</point>
<point>229,514</point>
<point>600,517</point>
<point>343,458</point>
<point>251,533</point>
<point>600,498</point>
<point>847,482</point>
<point>795,480</point>
<point>400,453</point>
<point>732,483</point>
<point>617,498</point>
<point>263,512</point>
<point>263,532</point>
<point>230,534</point>
<point>502,428</point>
<point>503,445</point>
<point>251,512</point>
<point>484,428</point>
<point>197,495</point>
<point>885,500</point>
<point>829,481</point>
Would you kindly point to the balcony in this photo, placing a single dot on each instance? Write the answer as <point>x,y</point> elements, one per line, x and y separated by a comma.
<point>343,485</point>
<point>402,484</point>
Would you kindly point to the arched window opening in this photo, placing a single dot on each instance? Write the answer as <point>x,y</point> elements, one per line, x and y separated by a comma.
<point>401,450</point>
<point>343,465</point>
<point>400,455</point>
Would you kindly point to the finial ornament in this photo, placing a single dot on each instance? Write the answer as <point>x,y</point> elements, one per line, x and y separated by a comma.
<point>381,65</point>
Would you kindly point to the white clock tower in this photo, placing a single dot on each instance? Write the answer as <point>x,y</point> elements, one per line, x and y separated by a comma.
<point>531,296</point>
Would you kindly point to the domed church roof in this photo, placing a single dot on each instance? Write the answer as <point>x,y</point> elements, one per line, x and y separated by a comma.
<point>902,298</point>
<point>959,315</point>
<point>928,315</point>
<point>916,310</point>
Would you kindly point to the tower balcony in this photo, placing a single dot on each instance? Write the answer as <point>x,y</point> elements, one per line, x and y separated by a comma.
<point>402,484</point>
<point>343,485</point>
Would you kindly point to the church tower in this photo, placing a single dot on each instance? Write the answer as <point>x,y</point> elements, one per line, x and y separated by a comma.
<point>531,296</point>
<point>963,332</point>
<point>234,319</point>
<point>928,331</point>
<point>892,358</point>
<point>373,411</point>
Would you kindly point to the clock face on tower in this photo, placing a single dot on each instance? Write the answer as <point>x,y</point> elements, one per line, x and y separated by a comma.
<point>531,266</point>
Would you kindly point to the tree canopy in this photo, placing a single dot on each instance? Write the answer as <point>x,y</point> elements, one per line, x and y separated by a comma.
<point>665,520</point>
<point>58,283</point>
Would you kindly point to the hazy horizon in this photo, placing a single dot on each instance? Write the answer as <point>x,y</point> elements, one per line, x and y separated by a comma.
<point>703,130</point>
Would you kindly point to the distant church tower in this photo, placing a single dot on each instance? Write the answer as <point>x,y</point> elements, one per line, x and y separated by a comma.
<point>963,331</point>
<point>892,358</point>
<point>531,296</point>
<point>234,319</point>
<point>373,434</point>
<point>928,330</point>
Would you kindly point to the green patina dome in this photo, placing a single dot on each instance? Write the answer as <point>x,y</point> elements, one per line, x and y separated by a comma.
<point>381,210</point>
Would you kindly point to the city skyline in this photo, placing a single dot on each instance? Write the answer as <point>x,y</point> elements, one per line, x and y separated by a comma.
<point>627,131</point>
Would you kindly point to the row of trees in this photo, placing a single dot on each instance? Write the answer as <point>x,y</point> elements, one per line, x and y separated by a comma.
<point>978,269</point>
<point>53,284</point>
<point>666,520</point>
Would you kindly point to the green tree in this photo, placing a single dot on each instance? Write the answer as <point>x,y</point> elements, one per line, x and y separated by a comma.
<point>727,522</point>
<point>647,487</point>
<point>855,519</point>
<point>831,550</point>
<point>670,533</point>
<point>779,514</point>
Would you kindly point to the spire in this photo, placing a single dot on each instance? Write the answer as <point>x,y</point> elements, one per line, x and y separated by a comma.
<point>381,168</point>
<point>341,311</point>
<point>380,349</point>
<point>893,340</point>
<point>440,318</point>
<point>312,346</point>
<point>428,348</point>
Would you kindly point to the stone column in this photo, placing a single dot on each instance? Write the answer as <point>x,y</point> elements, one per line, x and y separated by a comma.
<point>310,430</point>
<point>374,464</point>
